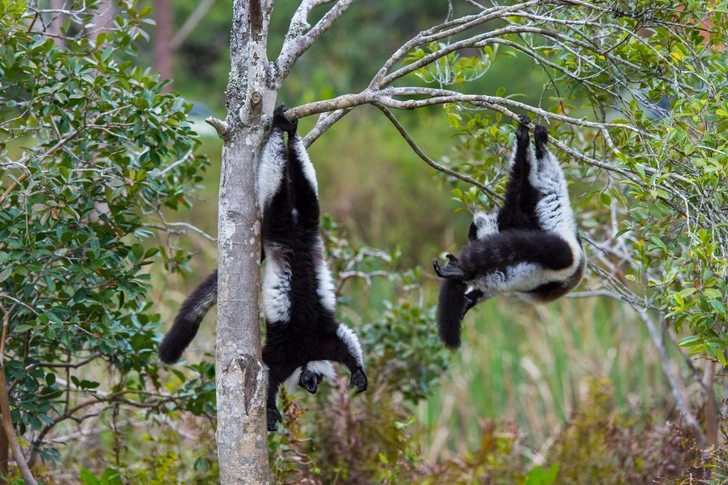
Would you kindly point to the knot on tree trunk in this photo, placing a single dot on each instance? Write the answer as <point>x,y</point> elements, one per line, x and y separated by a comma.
<point>244,379</point>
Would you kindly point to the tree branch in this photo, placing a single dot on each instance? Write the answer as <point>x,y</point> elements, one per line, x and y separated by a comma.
<point>220,126</point>
<point>297,42</point>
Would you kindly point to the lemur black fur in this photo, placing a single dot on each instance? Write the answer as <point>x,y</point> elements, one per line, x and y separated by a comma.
<point>302,334</point>
<point>530,246</point>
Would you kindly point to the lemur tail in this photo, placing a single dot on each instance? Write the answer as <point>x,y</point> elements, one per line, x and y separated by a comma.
<point>450,307</point>
<point>187,321</point>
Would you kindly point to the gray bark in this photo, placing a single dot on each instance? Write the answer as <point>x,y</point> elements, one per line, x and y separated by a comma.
<point>241,383</point>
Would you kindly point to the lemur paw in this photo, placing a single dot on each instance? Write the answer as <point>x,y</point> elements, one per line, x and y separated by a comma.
<point>280,120</point>
<point>309,381</point>
<point>522,130</point>
<point>273,416</point>
<point>359,379</point>
<point>524,120</point>
<point>451,269</point>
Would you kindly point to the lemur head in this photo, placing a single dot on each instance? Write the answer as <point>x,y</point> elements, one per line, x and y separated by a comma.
<point>310,380</point>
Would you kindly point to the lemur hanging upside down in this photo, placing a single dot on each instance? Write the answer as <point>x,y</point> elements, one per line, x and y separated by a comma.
<point>302,334</point>
<point>530,246</point>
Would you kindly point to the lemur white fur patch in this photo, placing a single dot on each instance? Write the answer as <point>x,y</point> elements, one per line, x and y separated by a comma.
<point>486,224</point>
<point>554,208</point>
<point>276,287</point>
<point>271,168</point>
<point>352,342</point>
<point>308,171</point>
<point>325,289</point>
<point>323,367</point>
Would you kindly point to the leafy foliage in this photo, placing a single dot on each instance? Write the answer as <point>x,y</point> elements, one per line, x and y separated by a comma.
<point>646,121</point>
<point>94,151</point>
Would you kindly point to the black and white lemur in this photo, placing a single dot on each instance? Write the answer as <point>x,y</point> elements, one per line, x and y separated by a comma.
<point>530,246</point>
<point>302,334</point>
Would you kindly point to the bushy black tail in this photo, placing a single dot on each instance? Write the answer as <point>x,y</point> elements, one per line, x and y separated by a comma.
<point>450,307</point>
<point>187,321</point>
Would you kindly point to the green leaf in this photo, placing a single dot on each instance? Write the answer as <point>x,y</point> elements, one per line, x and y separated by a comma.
<point>88,478</point>
<point>690,341</point>
<point>4,274</point>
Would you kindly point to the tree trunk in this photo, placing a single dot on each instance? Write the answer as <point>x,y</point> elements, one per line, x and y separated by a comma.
<point>242,438</point>
<point>162,39</point>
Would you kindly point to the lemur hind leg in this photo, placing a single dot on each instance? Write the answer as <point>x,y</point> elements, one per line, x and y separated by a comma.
<point>452,270</point>
<point>344,348</point>
<point>277,374</point>
<point>541,136</point>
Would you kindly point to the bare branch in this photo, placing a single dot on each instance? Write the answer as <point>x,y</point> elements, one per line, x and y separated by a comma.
<point>325,121</point>
<point>297,42</point>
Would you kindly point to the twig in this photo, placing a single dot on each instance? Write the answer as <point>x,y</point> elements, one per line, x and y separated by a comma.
<point>220,126</point>
<point>190,24</point>
<point>12,187</point>
<point>428,160</point>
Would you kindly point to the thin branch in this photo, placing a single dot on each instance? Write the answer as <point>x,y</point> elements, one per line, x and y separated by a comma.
<point>190,24</point>
<point>428,160</point>
<point>93,356</point>
<point>12,187</point>
<point>325,121</point>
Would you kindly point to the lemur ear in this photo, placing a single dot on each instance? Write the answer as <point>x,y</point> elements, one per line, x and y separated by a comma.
<point>473,232</point>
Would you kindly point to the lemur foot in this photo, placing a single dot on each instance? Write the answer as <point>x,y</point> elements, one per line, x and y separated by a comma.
<point>359,379</point>
<point>522,130</point>
<point>451,270</point>
<point>273,416</point>
<point>540,134</point>
<point>309,381</point>
<point>542,137</point>
<point>280,120</point>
